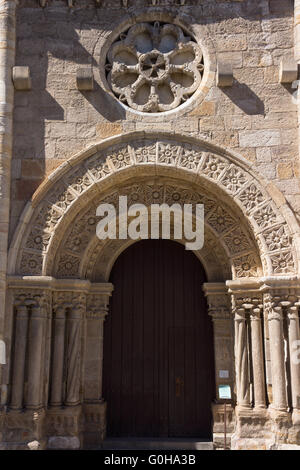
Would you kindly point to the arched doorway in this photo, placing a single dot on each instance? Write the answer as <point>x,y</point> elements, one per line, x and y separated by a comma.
<point>158,345</point>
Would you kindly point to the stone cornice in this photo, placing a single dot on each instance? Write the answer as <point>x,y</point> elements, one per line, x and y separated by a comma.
<point>262,285</point>
<point>58,285</point>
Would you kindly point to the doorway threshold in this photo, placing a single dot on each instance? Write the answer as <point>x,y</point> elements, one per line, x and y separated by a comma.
<point>156,444</point>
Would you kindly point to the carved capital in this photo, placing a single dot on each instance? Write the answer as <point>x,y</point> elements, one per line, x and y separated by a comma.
<point>240,315</point>
<point>97,306</point>
<point>281,302</point>
<point>60,312</point>
<point>33,299</point>
<point>22,311</point>
<point>293,312</point>
<point>70,303</point>
<point>255,314</point>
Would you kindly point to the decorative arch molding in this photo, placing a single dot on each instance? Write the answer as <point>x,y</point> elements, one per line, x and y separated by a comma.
<point>83,180</point>
<point>228,243</point>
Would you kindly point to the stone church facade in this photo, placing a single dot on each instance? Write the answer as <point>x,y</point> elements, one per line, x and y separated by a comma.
<point>165,101</point>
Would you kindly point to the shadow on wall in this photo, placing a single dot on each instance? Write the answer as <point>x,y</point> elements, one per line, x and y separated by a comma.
<point>244,98</point>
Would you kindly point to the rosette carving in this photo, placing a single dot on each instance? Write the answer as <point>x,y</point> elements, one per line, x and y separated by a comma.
<point>154,67</point>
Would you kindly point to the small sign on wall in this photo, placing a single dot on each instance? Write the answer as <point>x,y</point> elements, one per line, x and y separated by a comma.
<point>224,374</point>
<point>225,392</point>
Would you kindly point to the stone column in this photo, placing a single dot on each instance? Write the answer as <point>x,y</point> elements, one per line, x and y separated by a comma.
<point>35,356</point>
<point>219,311</point>
<point>275,319</point>
<point>73,355</point>
<point>57,365</point>
<point>94,405</point>
<point>223,350</point>
<point>294,338</point>
<point>19,357</point>
<point>257,358</point>
<point>94,355</point>
<point>241,359</point>
<point>7,60</point>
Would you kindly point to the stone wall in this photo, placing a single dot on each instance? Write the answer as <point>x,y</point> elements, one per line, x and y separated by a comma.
<point>256,117</point>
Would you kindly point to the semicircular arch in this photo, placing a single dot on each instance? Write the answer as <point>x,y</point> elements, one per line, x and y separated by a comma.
<point>125,160</point>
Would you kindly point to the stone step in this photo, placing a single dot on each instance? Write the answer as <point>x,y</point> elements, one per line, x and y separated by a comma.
<point>156,444</point>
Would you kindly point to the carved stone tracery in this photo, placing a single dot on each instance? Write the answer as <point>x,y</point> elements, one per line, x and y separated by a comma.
<point>154,67</point>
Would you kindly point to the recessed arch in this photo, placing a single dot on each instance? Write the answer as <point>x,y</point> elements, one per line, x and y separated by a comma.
<point>83,180</point>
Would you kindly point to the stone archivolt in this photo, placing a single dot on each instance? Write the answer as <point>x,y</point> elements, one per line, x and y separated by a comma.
<point>154,67</point>
<point>213,178</point>
<point>221,229</point>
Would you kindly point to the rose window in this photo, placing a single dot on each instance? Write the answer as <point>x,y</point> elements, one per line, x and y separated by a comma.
<point>154,67</point>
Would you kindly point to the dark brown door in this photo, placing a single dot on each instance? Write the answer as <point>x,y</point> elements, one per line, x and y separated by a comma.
<point>158,346</point>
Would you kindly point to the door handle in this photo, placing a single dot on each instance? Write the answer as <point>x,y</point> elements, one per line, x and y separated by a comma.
<point>179,383</point>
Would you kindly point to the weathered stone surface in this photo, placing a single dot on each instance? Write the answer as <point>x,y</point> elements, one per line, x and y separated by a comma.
<point>265,138</point>
<point>169,129</point>
<point>63,443</point>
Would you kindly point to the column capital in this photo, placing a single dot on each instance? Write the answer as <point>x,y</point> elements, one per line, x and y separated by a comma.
<point>60,311</point>
<point>97,304</point>
<point>71,303</point>
<point>38,312</point>
<point>293,312</point>
<point>32,297</point>
<point>255,314</point>
<point>239,314</point>
<point>280,303</point>
<point>22,311</point>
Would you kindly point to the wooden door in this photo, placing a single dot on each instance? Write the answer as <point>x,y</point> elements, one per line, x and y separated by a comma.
<point>158,346</point>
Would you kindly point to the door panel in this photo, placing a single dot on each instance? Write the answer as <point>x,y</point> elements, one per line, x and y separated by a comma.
<point>158,349</point>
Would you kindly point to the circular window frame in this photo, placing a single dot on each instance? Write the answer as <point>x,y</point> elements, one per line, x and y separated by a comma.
<point>209,60</point>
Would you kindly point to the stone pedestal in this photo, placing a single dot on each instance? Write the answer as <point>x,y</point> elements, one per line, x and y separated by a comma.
<point>281,425</point>
<point>253,430</point>
<point>218,426</point>
<point>94,424</point>
<point>21,428</point>
<point>64,427</point>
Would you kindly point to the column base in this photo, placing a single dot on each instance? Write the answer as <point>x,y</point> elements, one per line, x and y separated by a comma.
<point>94,424</point>
<point>64,427</point>
<point>296,417</point>
<point>218,427</point>
<point>23,430</point>
<point>265,429</point>
<point>253,429</point>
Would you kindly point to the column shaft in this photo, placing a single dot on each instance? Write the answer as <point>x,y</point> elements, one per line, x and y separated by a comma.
<point>241,359</point>
<point>279,390</point>
<point>57,362</point>
<point>294,338</point>
<point>73,359</point>
<point>258,360</point>
<point>35,357</point>
<point>19,357</point>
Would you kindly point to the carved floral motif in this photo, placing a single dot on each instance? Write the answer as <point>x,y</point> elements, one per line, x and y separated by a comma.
<point>154,67</point>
